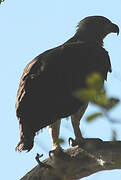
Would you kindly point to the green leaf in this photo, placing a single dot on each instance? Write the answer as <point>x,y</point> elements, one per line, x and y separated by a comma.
<point>95,81</point>
<point>94,90</point>
<point>60,141</point>
<point>110,103</point>
<point>86,94</point>
<point>96,93</point>
<point>94,116</point>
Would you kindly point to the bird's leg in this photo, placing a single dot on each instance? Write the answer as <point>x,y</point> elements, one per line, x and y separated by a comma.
<point>54,130</point>
<point>75,120</point>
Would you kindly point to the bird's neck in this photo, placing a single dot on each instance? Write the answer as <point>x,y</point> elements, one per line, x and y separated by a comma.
<point>77,38</point>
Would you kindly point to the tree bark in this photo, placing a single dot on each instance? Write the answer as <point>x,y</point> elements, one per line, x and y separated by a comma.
<point>77,162</point>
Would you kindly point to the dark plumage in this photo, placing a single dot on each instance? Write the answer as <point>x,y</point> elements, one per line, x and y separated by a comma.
<point>46,87</point>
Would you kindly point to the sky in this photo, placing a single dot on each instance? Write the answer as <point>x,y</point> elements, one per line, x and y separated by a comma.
<point>27,29</point>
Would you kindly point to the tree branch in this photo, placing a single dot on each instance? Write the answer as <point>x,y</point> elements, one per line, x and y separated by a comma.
<point>74,163</point>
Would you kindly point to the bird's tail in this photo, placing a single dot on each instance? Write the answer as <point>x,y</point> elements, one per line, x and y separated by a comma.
<point>26,139</point>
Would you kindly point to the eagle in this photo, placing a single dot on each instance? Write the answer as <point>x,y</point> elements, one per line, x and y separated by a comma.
<point>47,86</point>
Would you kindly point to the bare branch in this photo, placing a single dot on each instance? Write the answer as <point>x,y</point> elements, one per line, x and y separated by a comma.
<point>74,163</point>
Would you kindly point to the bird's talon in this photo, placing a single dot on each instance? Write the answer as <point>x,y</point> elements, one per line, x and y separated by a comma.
<point>51,153</point>
<point>41,163</point>
<point>37,158</point>
<point>71,142</point>
<point>55,152</point>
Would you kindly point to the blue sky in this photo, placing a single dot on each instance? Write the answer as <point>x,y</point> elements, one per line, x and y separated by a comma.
<point>27,29</point>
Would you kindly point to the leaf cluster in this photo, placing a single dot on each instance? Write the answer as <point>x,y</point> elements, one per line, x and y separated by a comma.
<point>95,93</point>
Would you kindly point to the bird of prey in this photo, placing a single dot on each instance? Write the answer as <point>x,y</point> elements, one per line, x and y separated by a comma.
<point>45,94</point>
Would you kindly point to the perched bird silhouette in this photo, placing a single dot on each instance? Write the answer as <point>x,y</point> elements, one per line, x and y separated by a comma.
<point>45,93</point>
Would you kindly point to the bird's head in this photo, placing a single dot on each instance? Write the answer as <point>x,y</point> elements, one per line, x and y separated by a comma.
<point>95,29</point>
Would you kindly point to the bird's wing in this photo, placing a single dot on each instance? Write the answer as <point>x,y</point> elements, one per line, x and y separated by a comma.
<point>60,70</point>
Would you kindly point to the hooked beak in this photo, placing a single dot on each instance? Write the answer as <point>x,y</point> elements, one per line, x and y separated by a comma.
<point>112,28</point>
<point>115,29</point>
